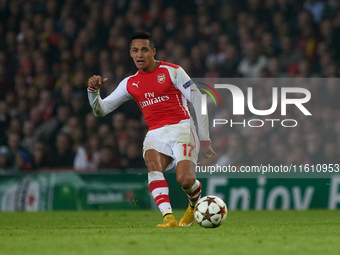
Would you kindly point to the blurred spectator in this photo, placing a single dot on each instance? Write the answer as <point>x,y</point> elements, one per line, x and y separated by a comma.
<point>79,106</point>
<point>280,154</point>
<point>253,62</point>
<point>235,154</point>
<point>230,63</point>
<point>88,156</point>
<point>104,131</point>
<point>118,122</point>
<point>331,153</point>
<point>4,121</point>
<point>48,131</point>
<point>36,117</point>
<point>134,157</point>
<point>23,110</point>
<point>91,124</point>
<point>80,84</point>
<point>298,155</point>
<point>14,126</point>
<point>316,8</point>
<point>46,104</point>
<point>108,159</point>
<point>5,81</point>
<point>39,156</point>
<point>274,67</point>
<point>315,148</point>
<point>307,42</point>
<point>28,136</point>
<point>123,142</point>
<point>256,151</point>
<point>18,158</point>
<point>4,155</point>
<point>331,9</point>
<point>290,56</point>
<point>71,124</point>
<point>62,156</point>
<point>78,137</point>
<point>133,129</point>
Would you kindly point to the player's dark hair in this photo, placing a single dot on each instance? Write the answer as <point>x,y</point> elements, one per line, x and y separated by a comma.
<point>144,36</point>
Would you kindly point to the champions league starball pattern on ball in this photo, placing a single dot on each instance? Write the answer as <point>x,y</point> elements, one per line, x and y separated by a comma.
<point>210,212</point>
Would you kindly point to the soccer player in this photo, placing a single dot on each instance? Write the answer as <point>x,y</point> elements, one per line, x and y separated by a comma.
<point>161,91</point>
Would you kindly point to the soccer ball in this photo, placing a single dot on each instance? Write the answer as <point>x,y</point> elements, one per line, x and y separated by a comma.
<point>210,212</point>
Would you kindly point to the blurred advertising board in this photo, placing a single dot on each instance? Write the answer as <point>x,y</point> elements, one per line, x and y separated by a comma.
<point>129,191</point>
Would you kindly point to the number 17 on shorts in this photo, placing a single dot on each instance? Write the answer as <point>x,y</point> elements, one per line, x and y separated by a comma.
<point>187,149</point>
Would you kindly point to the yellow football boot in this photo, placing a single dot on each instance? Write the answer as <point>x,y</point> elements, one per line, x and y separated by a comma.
<point>168,221</point>
<point>188,219</point>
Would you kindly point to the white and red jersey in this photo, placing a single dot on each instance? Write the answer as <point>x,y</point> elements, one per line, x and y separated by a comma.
<point>161,95</point>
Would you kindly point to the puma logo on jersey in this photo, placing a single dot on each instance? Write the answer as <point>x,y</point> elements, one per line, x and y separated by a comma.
<point>135,84</point>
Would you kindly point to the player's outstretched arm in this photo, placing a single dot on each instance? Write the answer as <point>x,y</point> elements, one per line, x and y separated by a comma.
<point>102,107</point>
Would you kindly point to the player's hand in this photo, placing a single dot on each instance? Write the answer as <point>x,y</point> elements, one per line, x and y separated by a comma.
<point>95,82</point>
<point>207,151</point>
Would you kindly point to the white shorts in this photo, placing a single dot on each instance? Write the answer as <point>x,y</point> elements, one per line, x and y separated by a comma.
<point>179,141</point>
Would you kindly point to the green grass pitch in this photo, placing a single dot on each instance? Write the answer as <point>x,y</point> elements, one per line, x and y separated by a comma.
<point>134,232</point>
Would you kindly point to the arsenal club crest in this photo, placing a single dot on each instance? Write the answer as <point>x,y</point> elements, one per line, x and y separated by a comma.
<point>161,78</point>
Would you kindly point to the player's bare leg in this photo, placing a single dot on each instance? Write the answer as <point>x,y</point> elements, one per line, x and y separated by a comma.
<point>185,175</point>
<point>156,163</point>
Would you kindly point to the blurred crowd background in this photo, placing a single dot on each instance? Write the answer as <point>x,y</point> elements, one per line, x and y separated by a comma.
<point>49,48</point>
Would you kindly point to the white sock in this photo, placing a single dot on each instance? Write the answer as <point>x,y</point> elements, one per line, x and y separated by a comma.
<point>160,191</point>
<point>194,193</point>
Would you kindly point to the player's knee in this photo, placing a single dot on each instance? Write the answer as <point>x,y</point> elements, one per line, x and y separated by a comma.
<point>152,166</point>
<point>185,181</point>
